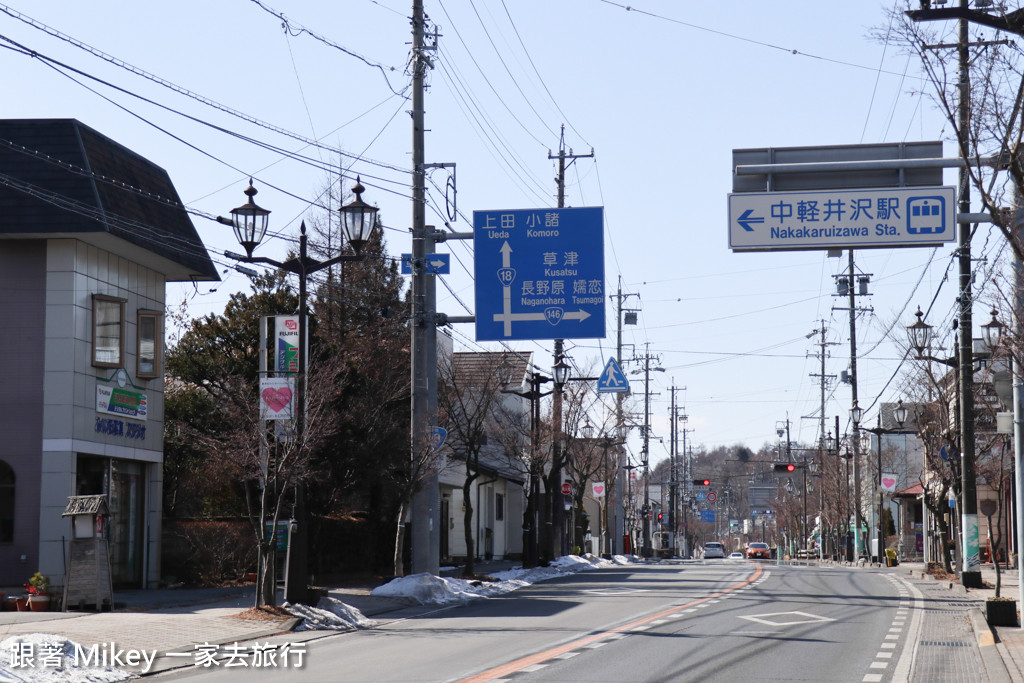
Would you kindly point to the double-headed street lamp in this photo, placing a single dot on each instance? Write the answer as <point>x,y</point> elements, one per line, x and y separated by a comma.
<point>250,225</point>
<point>607,441</point>
<point>900,413</point>
<point>920,334</point>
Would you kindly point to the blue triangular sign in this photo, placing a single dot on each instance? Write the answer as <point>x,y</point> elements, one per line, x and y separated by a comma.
<point>612,381</point>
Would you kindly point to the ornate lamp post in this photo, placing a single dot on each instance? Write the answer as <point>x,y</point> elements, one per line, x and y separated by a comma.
<point>900,413</point>
<point>920,334</point>
<point>250,225</point>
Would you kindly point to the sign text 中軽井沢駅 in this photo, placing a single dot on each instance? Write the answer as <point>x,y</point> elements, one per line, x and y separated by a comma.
<point>539,273</point>
<point>837,219</point>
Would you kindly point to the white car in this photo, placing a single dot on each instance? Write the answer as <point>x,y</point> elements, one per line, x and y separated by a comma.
<point>713,549</point>
<point>736,556</point>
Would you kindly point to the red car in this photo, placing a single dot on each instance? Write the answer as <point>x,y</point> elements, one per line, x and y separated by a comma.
<point>758,551</point>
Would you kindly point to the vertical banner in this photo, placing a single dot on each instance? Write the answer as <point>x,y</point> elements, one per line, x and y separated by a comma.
<point>277,398</point>
<point>598,489</point>
<point>286,344</point>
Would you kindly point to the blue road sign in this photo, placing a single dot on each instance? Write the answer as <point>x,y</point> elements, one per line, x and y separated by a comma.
<point>437,437</point>
<point>612,381</point>
<point>701,496</point>
<point>539,273</point>
<point>707,515</point>
<point>436,264</point>
<point>837,219</point>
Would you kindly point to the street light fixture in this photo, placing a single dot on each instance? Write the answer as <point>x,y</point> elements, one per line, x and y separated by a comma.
<point>250,225</point>
<point>920,336</point>
<point>900,414</point>
<point>992,331</point>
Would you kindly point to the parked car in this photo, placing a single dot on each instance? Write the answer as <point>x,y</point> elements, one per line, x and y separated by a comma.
<point>758,551</point>
<point>713,549</point>
<point>736,556</point>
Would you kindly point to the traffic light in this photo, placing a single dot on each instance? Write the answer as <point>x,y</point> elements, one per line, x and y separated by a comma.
<point>702,482</point>
<point>660,517</point>
<point>785,467</point>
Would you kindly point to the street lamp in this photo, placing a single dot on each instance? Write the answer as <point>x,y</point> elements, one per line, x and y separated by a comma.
<point>900,413</point>
<point>531,547</point>
<point>607,441</point>
<point>920,335</point>
<point>250,225</point>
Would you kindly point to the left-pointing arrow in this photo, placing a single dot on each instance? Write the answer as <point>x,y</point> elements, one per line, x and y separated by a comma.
<point>746,219</point>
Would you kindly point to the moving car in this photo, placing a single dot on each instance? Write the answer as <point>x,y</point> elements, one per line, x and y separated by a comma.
<point>758,550</point>
<point>714,549</point>
<point>736,556</point>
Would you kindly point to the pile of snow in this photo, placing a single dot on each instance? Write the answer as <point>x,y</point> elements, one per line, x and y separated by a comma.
<point>427,589</point>
<point>329,615</point>
<point>55,659</point>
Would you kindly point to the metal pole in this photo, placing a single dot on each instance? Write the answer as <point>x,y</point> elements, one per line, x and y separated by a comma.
<point>426,503</point>
<point>878,482</point>
<point>971,576</point>
<point>1018,393</point>
<point>298,546</point>
<point>853,390</point>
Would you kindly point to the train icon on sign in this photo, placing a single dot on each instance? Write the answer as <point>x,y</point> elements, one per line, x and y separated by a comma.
<point>926,215</point>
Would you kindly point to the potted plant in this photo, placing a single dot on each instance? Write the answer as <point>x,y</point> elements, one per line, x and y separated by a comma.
<point>38,596</point>
<point>1001,611</point>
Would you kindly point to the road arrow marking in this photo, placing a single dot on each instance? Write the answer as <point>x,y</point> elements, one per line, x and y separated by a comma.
<point>746,219</point>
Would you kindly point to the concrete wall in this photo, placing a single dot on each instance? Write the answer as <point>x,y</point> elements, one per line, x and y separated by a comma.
<point>22,299</point>
<point>74,272</point>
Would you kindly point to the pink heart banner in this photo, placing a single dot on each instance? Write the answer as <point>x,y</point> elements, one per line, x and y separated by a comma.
<point>598,488</point>
<point>888,482</point>
<point>276,394</point>
<point>277,399</point>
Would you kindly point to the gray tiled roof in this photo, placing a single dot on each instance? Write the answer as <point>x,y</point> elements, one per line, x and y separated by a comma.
<point>59,177</point>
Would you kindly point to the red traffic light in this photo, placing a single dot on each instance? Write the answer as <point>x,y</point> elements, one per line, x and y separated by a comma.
<point>786,467</point>
<point>702,482</point>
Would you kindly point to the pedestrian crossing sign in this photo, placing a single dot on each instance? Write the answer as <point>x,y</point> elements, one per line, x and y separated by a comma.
<point>612,381</point>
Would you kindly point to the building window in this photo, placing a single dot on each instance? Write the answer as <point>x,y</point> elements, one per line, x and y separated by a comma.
<point>6,503</point>
<point>149,344</point>
<point>499,507</point>
<point>107,331</point>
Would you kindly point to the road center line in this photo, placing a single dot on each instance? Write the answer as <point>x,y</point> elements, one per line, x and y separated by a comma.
<point>539,657</point>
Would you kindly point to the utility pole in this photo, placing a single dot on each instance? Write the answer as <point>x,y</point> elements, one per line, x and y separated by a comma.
<point>673,479</point>
<point>620,532</point>
<point>824,381</point>
<point>559,542</point>
<point>971,574</point>
<point>848,284</point>
<point>426,504</point>
<point>645,459</point>
<point>970,553</point>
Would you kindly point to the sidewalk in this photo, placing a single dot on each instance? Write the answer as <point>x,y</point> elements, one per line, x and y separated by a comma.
<point>181,621</point>
<point>956,642</point>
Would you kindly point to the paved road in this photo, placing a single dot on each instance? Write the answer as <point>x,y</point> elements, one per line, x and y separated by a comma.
<point>714,620</point>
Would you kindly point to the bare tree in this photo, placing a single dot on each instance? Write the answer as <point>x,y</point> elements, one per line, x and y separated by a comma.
<point>472,389</point>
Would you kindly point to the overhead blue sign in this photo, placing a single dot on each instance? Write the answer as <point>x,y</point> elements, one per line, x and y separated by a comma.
<point>539,274</point>
<point>707,515</point>
<point>838,219</point>
<point>612,381</point>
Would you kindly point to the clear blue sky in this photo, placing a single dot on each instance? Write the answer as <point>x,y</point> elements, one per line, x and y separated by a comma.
<point>662,92</point>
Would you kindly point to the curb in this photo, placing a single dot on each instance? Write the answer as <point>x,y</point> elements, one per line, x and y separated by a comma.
<point>174,665</point>
<point>991,658</point>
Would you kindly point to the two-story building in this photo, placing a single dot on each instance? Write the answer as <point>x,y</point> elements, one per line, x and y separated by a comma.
<point>90,234</point>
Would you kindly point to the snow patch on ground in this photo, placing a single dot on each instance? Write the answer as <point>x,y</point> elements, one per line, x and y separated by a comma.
<point>329,615</point>
<point>54,662</point>
<point>427,589</point>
